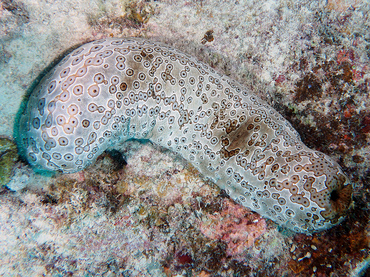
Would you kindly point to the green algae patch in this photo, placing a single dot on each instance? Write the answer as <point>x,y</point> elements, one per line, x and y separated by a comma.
<point>8,158</point>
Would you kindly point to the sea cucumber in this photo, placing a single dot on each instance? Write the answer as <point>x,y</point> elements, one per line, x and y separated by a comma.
<point>112,90</point>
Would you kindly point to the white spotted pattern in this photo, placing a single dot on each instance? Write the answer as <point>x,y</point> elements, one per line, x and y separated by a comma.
<point>112,90</point>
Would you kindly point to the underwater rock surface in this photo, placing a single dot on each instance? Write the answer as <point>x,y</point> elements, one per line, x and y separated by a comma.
<point>8,158</point>
<point>308,60</point>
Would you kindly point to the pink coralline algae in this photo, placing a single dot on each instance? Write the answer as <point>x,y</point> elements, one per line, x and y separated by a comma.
<point>236,226</point>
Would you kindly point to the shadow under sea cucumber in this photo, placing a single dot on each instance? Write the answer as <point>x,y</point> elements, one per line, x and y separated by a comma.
<point>112,90</point>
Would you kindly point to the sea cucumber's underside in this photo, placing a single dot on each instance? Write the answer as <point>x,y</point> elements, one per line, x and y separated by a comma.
<point>112,90</point>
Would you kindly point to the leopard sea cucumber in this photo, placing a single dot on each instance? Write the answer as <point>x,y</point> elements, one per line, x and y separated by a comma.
<point>112,90</point>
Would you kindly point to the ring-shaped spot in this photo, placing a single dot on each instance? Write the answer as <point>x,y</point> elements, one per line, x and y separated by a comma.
<point>51,86</point>
<point>101,109</point>
<point>130,72</point>
<point>81,71</point>
<point>112,89</point>
<point>136,85</point>
<point>114,80</point>
<point>54,131</point>
<point>98,78</point>
<point>111,103</point>
<point>77,60</point>
<point>120,66</point>
<point>64,96</point>
<point>93,90</point>
<point>108,53</point>
<point>92,107</point>
<point>68,128</point>
<point>36,123</point>
<point>96,48</point>
<point>98,61</point>
<point>57,156</point>
<point>89,61</point>
<point>141,76</point>
<point>68,157</point>
<point>119,95</point>
<point>61,120</point>
<point>120,59</point>
<point>117,42</point>
<point>79,150</point>
<point>123,86</point>
<point>49,120</point>
<point>72,109</point>
<point>64,72</point>
<point>137,58</point>
<point>73,121</point>
<point>77,90</point>
<point>63,141</point>
<point>281,201</point>
<point>46,156</point>
<point>277,208</point>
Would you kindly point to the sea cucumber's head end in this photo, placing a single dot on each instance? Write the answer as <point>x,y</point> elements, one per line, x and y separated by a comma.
<point>326,195</point>
<point>339,199</point>
<point>335,201</point>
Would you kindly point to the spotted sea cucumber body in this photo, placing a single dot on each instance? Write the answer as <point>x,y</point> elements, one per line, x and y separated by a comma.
<point>112,90</point>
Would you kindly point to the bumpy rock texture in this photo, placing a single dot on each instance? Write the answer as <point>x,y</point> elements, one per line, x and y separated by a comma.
<point>112,90</point>
<point>8,157</point>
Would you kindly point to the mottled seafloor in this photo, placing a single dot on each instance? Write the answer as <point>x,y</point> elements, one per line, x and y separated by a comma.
<point>151,213</point>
